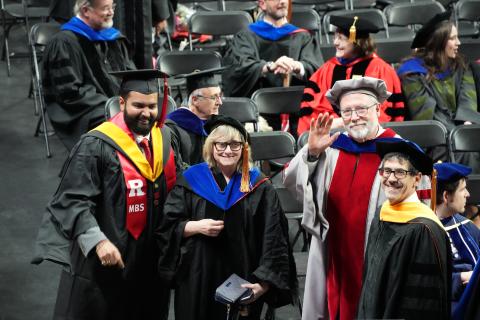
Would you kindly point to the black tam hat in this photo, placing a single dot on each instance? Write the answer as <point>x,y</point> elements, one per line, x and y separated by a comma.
<point>202,79</point>
<point>354,27</point>
<point>411,150</point>
<point>422,36</point>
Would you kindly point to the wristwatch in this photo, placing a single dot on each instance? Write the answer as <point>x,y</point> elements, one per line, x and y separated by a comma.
<point>269,66</point>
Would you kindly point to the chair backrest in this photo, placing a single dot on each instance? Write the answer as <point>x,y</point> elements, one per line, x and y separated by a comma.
<point>240,108</point>
<point>411,13</point>
<point>218,23</point>
<point>302,140</point>
<point>112,107</point>
<point>465,138</point>
<point>425,133</point>
<point>393,50</point>
<point>42,32</point>
<point>288,202</point>
<point>473,186</point>
<point>374,16</point>
<point>272,145</point>
<point>278,100</point>
<point>179,62</point>
<point>308,19</point>
<point>467,10</point>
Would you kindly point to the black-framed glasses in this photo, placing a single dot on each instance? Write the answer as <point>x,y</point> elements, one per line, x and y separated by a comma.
<point>214,97</point>
<point>234,145</point>
<point>360,111</point>
<point>398,173</point>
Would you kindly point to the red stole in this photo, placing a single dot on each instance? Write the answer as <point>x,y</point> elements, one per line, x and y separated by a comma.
<point>136,188</point>
<point>347,206</point>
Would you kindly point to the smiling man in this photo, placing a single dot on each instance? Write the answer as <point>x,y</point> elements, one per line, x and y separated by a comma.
<point>100,223</point>
<point>270,48</point>
<point>76,66</point>
<point>335,177</point>
<point>407,262</point>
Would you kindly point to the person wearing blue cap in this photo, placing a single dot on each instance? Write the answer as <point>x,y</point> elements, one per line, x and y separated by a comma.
<point>407,270</point>
<point>452,194</point>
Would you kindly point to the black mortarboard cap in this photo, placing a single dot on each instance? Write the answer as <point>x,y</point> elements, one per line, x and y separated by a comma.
<point>411,150</point>
<point>218,120</point>
<point>451,172</point>
<point>142,81</point>
<point>363,27</point>
<point>425,33</point>
<point>199,79</point>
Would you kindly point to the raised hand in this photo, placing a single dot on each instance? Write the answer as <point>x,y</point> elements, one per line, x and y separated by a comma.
<point>319,138</point>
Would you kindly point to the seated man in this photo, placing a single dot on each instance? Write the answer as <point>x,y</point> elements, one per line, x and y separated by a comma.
<point>464,236</point>
<point>267,50</point>
<point>100,223</point>
<point>204,100</point>
<point>407,270</point>
<point>77,61</point>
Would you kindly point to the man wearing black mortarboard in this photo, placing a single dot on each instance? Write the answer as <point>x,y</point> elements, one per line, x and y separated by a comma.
<point>100,223</point>
<point>355,56</point>
<point>407,269</point>
<point>452,195</point>
<point>204,100</point>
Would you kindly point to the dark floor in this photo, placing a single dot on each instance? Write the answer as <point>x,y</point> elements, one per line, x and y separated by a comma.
<point>27,181</point>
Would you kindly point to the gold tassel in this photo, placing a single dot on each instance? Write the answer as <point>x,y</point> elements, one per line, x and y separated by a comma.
<point>353,31</point>
<point>245,183</point>
<point>434,190</point>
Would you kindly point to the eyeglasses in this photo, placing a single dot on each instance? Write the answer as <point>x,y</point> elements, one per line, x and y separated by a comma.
<point>360,111</point>
<point>398,173</point>
<point>106,9</point>
<point>222,146</point>
<point>215,97</point>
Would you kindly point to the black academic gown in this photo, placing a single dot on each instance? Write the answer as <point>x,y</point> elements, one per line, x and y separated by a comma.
<point>77,83</point>
<point>188,143</point>
<point>407,271</point>
<point>248,53</point>
<point>135,18</point>
<point>253,244</point>
<point>92,193</point>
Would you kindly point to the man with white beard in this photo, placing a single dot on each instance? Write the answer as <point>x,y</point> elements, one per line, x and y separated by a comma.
<point>335,177</point>
<point>76,67</point>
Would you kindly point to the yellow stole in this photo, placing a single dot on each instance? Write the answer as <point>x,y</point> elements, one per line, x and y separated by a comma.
<point>406,211</point>
<point>132,150</point>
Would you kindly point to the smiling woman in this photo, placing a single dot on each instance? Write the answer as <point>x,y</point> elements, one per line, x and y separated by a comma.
<point>224,217</point>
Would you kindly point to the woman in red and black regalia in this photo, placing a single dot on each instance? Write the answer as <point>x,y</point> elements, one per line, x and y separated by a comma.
<point>224,217</point>
<point>355,57</point>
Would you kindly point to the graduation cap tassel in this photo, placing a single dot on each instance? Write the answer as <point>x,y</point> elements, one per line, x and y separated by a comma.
<point>353,31</point>
<point>434,190</point>
<point>245,183</point>
<point>163,114</point>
